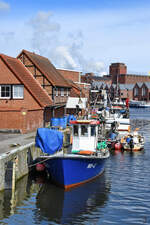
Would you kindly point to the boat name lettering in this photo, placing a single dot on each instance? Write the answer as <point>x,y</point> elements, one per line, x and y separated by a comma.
<point>91,165</point>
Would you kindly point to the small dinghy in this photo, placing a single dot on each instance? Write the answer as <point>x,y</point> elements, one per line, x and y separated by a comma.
<point>133,141</point>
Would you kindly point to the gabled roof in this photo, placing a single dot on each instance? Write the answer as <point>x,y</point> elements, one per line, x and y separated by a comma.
<point>26,78</point>
<point>147,84</point>
<point>126,86</point>
<point>139,84</point>
<point>97,83</point>
<point>46,68</point>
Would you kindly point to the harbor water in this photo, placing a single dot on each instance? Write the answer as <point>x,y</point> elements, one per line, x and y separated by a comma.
<point>120,196</point>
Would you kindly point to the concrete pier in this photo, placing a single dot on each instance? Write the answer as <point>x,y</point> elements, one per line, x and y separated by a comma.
<point>17,153</point>
<point>15,164</point>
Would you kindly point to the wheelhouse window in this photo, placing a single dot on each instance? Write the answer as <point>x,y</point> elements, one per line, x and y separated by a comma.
<point>5,91</point>
<point>18,91</point>
<point>84,130</point>
<point>75,130</point>
<point>93,131</point>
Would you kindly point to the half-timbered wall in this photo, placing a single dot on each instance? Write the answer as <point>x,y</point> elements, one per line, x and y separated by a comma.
<point>37,74</point>
<point>51,90</point>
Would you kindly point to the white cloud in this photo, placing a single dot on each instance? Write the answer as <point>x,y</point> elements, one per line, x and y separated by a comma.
<point>84,40</point>
<point>4,6</point>
<point>65,51</point>
<point>42,22</point>
<point>63,57</point>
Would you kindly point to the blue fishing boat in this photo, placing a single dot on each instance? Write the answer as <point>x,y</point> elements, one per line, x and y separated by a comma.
<point>86,160</point>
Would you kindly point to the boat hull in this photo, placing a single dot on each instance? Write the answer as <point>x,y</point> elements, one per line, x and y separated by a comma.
<point>137,147</point>
<point>69,172</point>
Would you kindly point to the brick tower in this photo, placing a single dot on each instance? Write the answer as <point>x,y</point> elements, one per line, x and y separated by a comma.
<point>117,69</point>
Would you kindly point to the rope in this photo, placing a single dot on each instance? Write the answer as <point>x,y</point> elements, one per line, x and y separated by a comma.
<point>32,165</point>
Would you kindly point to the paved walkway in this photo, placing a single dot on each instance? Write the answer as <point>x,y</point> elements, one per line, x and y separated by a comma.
<point>10,141</point>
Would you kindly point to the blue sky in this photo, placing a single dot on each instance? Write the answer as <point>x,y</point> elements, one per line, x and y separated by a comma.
<point>79,34</point>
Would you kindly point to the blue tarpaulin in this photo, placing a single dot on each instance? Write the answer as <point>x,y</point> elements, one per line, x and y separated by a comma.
<point>48,140</point>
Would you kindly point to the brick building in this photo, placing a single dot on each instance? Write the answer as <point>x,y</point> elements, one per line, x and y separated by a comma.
<point>75,77</point>
<point>57,87</point>
<point>126,84</point>
<point>22,100</point>
<point>141,91</point>
<point>118,73</point>
<point>126,91</point>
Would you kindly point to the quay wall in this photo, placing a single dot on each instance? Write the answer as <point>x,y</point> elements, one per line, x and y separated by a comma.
<point>18,162</point>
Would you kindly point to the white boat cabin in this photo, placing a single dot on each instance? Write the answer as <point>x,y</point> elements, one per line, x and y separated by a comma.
<point>84,135</point>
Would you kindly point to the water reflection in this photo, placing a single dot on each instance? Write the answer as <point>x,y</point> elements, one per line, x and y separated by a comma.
<point>53,203</point>
<point>71,207</point>
<point>9,201</point>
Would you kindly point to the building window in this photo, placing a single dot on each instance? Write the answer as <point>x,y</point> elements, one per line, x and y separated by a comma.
<point>136,91</point>
<point>56,92</point>
<point>5,91</point>
<point>18,91</point>
<point>143,91</point>
<point>67,92</point>
<point>62,91</point>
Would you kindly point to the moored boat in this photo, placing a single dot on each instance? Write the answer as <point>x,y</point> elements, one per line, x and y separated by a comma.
<point>86,160</point>
<point>139,104</point>
<point>116,115</point>
<point>132,142</point>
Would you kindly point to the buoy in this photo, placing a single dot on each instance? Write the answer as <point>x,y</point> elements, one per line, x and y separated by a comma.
<point>40,167</point>
<point>118,146</point>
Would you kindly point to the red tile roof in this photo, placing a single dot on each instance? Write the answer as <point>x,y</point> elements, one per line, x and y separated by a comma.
<point>26,78</point>
<point>70,74</point>
<point>46,68</point>
<point>76,90</point>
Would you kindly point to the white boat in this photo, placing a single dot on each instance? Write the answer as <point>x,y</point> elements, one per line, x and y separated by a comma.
<point>116,116</point>
<point>132,142</point>
<point>139,104</point>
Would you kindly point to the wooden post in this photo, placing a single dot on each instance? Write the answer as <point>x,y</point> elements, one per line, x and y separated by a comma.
<point>13,186</point>
<point>14,175</point>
